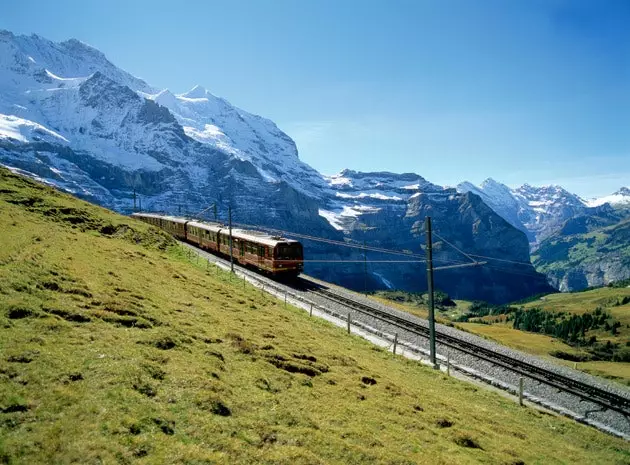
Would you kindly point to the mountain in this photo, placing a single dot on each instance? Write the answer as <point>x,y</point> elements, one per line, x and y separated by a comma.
<point>70,117</point>
<point>537,211</point>
<point>588,251</point>
<point>619,199</point>
<point>387,210</point>
<point>353,194</point>
<point>577,244</point>
<point>501,199</point>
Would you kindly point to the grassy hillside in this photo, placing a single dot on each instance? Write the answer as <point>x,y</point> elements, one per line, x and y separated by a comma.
<point>572,249</point>
<point>116,349</point>
<point>575,260</point>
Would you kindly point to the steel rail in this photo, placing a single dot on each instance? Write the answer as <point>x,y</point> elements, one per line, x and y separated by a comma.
<point>577,388</point>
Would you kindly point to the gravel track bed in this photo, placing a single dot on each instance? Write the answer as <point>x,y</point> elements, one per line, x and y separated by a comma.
<point>548,396</point>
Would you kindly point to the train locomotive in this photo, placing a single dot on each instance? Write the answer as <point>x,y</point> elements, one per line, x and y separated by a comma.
<point>268,254</point>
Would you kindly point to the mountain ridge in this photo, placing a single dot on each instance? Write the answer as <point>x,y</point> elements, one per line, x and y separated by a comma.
<point>108,137</point>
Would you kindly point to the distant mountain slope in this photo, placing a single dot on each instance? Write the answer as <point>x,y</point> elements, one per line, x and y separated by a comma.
<point>538,211</point>
<point>619,199</point>
<point>387,210</point>
<point>586,252</point>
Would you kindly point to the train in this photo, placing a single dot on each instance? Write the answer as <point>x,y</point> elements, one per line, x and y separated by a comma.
<point>272,255</point>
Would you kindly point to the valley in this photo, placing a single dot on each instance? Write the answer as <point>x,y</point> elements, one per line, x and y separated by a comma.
<point>601,349</point>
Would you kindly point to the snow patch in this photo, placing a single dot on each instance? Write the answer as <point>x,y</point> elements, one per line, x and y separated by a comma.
<point>22,130</point>
<point>388,283</point>
<point>196,92</point>
<point>332,218</point>
<point>614,199</point>
<point>363,195</point>
<point>338,180</point>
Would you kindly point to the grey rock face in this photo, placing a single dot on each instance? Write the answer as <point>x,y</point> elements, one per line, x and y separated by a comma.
<point>387,210</point>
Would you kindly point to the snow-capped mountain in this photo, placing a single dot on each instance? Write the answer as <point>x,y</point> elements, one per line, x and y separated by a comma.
<point>71,92</point>
<point>387,210</point>
<point>538,211</point>
<point>500,198</point>
<point>69,117</point>
<point>621,198</point>
<point>355,194</point>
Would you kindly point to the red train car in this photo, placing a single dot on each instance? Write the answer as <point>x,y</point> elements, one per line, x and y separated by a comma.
<point>273,255</point>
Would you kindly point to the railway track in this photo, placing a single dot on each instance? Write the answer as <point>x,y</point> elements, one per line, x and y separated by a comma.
<point>586,392</point>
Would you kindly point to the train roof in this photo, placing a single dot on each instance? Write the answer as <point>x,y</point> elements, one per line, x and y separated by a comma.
<point>243,234</point>
<point>214,227</point>
<point>175,219</point>
<point>238,233</point>
<point>261,237</point>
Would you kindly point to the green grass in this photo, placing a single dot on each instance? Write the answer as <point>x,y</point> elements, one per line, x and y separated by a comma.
<point>115,348</point>
<point>559,253</point>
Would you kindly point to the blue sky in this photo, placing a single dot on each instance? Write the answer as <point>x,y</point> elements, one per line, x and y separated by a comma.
<point>533,91</point>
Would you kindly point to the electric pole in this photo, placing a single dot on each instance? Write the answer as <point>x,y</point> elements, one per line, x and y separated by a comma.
<point>140,203</point>
<point>134,198</point>
<point>230,227</point>
<point>427,227</point>
<point>364,268</point>
<point>215,212</point>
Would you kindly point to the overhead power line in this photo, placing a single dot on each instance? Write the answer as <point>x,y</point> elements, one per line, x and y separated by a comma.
<point>459,250</point>
<point>502,260</point>
<point>334,242</point>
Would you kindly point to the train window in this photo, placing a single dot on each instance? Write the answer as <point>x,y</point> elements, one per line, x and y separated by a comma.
<point>288,251</point>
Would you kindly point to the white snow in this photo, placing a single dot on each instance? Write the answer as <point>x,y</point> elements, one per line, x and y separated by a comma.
<point>332,218</point>
<point>357,210</point>
<point>617,198</point>
<point>341,215</point>
<point>364,195</point>
<point>57,78</point>
<point>338,180</point>
<point>388,284</point>
<point>539,203</point>
<point>22,130</point>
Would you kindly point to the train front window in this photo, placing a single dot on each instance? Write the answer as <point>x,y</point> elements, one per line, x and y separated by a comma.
<point>289,251</point>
